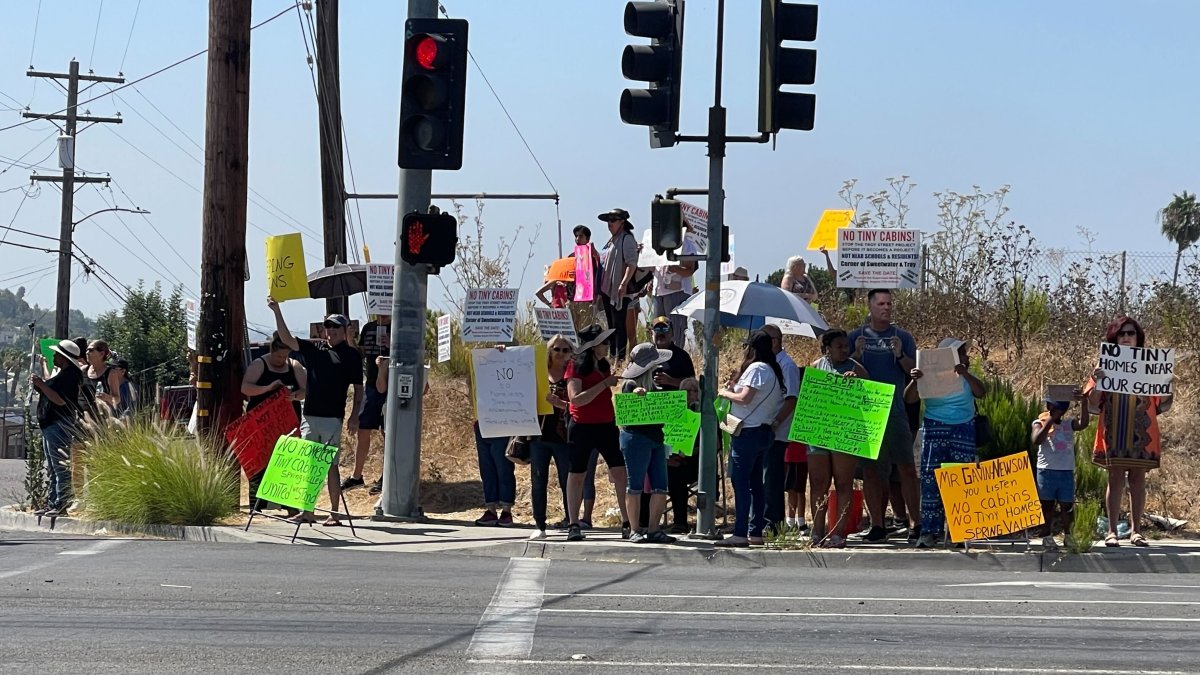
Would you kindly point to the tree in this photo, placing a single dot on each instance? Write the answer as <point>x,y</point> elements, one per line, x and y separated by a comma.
<point>150,333</point>
<point>775,277</point>
<point>1180,221</point>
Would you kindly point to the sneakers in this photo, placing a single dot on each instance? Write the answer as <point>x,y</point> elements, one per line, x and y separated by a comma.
<point>877,535</point>
<point>792,522</point>
<point>353,482</point>
<point>638,538</point>
<point>537,535</point>
<point>658,537</point>
<point>1049,544</point>
<point>376,487</point>
<point>562,524</point>
<point>488,519</point>
<point>505,519</point>
<point>41,512</point>
<point>574,533</point>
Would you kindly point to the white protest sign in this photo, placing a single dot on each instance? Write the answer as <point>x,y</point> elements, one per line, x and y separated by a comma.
<point>728,268</point>
<point>647,257</point>
<point>553,321</point>
<point>696,220</point>
<point>490,315</point>
<point>938,378</point>
<point>443,336</point>
<point>191,314</point>
<point>505,392</point>
<point>1139,371</point>
<point>878,258</point>
<point>379,288</point>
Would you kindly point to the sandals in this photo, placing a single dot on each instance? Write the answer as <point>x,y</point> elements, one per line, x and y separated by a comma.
<point>1138,540</point>
<point>1110,540</point>
<point>302,518</point>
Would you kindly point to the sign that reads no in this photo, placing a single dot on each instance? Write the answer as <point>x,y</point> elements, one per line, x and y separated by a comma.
<point>1140,371</point>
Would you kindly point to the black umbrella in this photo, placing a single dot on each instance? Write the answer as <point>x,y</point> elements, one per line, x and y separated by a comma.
<point>337,281</point>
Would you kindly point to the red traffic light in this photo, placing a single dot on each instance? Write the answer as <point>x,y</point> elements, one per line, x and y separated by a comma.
<point>428,51</point>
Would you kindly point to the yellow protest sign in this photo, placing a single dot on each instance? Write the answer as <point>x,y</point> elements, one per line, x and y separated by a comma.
<point>990,498</point>
<point>541,371</point>
<point>825,233</point>
<point>286,276</point>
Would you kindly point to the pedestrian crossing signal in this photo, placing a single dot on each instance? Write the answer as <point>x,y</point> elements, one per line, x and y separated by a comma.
<point>429,239</point>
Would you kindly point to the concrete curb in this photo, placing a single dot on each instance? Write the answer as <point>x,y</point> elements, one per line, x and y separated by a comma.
<point>27,522</point>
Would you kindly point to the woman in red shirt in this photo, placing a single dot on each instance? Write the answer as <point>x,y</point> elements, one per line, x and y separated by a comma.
<point>592,424</point>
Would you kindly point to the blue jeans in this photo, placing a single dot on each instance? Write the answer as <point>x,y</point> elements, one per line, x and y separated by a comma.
<point>746,473</point>
<point>496,472</point>
<point>56,449</point>
<point>539,473</point>
<point>644,456</point>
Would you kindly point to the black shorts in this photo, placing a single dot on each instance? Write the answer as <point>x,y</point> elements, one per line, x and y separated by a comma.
<point>604,438</point>
<point>371,415</point>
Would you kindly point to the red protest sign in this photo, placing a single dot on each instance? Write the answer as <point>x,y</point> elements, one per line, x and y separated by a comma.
<point>253,435</point>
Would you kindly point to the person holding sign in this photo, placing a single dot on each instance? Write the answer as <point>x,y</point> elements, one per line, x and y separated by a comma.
<point>1054,438</point>
<point>798,282</point>
<point>593,423</point>
<point>948,437</point>
<point>644,450</point>
<point>1127,437</point>
<point>552,444</point>
<point>756,392</point>
<point>264,376</point>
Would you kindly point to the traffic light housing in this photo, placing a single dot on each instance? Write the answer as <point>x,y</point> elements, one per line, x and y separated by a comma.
<point>780,66</point>
<point>725,244</point>
<point>433,94</point>
<point>429,239</point>
<point>666,225</point>
<point>660,64</point>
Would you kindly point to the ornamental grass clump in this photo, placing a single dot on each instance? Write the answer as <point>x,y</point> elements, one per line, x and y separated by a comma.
<point>137,473</point>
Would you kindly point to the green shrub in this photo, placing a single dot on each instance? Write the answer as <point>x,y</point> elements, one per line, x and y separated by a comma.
<point>140,474</point>
<point>1010,415</point>
<point>1083,528</point>
<point>1090,480</point>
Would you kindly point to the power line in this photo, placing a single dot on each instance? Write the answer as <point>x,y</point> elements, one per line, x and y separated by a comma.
<point>17,161</point>
<point>158,270</point>
<point>129,39</point>
<point>96,35</point>
<point>153,228</point>
<point>40,270</point>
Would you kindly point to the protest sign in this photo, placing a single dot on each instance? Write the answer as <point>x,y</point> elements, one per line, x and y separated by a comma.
<point>826,232</point>
<point>990,498</point>
<point>695,236</point>
<point>562,270</point>
<point>648,257</point>
<point>490,315</point>
<point>1140,371</point>
<point>1061,392</point>
<point>938,378</point>
<point>541,375</point>
<point>680,433</point>
<point>883,258</point>
<point>296,473</point>
<point>44,346</point>
<point>505,392</point>
<point>656,407</point>
<point>553,321</point>
<point>585,274</point>
<point>286,278</point>
<point>379,288</point>
<point>252,435</point>
<point>844,414</point>
<point>443,336</point>
<point>728,268</point>
<point>191,317</point>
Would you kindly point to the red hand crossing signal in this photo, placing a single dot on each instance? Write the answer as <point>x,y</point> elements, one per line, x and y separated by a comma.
<point>417,238</point>
<point>429,239</point>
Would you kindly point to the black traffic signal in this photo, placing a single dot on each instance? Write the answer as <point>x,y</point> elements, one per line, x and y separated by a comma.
<point>433,94</point>
<point>779,66</point>
<point>429,239</point>
<point>666,225</point>
<point>725,243</point>
<point>659,63</point>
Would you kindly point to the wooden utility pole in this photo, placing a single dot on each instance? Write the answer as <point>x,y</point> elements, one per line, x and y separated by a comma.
<point>329,111</point>
<point>66,159</point>
<point>223,246</point>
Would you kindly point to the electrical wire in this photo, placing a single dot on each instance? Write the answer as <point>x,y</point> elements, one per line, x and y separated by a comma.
<point>18,161</point>
<point>14,218</point>
<point>129,39</point>
<point>37,19</point>
<point>154,229</point>
<point>160,270</point>
<point>96,35</point>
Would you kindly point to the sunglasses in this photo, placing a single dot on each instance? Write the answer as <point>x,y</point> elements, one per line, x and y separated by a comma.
<point>662,329</point>
<point>1128,333</point>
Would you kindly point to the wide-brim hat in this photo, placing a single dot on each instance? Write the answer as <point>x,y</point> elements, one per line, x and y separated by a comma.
<point>591,336</point>
<point>68,350</point>
<point>643,357</point>
<point>954,343</point>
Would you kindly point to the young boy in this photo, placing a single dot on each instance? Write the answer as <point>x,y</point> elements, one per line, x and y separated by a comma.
<point>1054,437</point>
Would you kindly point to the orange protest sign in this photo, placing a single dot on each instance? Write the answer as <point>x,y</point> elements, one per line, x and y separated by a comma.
<point>825,234</point>
<point>252,436</point>
<point>990,498</point>
<point>562,269</point>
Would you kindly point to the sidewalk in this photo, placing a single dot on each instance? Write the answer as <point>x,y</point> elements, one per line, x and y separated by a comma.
<point>443,536</point>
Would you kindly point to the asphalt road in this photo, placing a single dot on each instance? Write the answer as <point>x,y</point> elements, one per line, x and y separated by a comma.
<point>72,604</point>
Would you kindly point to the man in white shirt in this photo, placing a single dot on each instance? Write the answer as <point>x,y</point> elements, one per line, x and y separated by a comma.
<point>774,470</point>
<point>673,286</point>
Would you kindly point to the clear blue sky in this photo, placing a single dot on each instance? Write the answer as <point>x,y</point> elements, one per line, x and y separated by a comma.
<point>1087,109</point>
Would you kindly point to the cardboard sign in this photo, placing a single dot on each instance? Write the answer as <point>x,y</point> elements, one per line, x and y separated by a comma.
<point>490,315</point>
<point>286,277</point>
<point>1140,371</point>
<point>826,232</point>
<point>878,258</point>
<point>656,407</point>
<point>443,336</point>
<point>191,317</point>
<point>252,435</point>
<point>585,277</point>
<point>380,279</point>
<point>296,473</point>
<point>843,414</point>
<point>506,392</point>
<point>1061,392</point>
<point>696,220</point>
<point>680,433</point>
<point>551,322</point>
<point>990,498</point>
<point>938,378</point>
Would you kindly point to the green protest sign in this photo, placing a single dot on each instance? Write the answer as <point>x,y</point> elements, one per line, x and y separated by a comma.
<point>844,414</point>
<point>657,407</point>
<point>296,472</point>
<point>44,345</point>
<point>680,434</point>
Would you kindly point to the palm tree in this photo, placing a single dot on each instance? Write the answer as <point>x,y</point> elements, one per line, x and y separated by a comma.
<point>1180,222</point>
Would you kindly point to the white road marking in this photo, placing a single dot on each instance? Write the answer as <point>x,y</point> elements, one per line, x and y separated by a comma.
<point>1068,585</point>
<point>854,667</point>
<point>506,629</point>
<point>24,570</point>
<point>869,615</point>
<point>815,598</point>
<point>98,547</point>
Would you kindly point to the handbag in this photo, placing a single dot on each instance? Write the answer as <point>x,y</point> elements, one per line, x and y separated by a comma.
<point>518,450</point>
<point>733,425</point>
<point>983,432</point>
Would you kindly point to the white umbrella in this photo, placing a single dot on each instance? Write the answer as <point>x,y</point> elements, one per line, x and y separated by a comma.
<point>752,304</point>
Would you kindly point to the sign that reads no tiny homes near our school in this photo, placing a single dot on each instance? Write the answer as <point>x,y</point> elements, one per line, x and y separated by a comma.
<point>1140,371</point>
